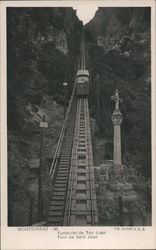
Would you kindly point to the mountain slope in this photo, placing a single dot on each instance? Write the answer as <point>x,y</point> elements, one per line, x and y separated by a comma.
<point>119,51</point>
<point>43,47</point>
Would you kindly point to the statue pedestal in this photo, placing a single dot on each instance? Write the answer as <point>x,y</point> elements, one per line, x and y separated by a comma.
<point>118,185</point>
<point>117,174</point>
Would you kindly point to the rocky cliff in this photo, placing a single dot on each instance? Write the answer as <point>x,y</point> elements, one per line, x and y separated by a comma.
<point>111,27</point>
<point>43,47</point>
<point>40,52</point>
<point>119,49</point>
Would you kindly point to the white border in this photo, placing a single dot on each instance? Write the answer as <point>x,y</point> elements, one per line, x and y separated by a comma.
<point>113,239</point>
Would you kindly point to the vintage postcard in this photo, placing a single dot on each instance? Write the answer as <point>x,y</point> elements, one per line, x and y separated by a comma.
<point>78,124</point>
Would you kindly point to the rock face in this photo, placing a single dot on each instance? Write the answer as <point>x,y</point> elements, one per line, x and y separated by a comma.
<point>41,51</point>
<point>111,27</point>
<point>61,42</point>
<point>59,39</point>
<point>43,45</point>
<point>119,51</point>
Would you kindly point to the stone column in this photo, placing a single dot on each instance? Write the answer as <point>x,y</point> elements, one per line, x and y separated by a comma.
<point>117,120</point>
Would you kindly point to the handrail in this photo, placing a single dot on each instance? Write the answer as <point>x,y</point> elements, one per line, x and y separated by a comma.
<point>59,144</point>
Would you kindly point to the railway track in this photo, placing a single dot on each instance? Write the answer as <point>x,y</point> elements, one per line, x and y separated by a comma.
<point>81,208</point>
<point>73,197</point>
<point>73,201</point>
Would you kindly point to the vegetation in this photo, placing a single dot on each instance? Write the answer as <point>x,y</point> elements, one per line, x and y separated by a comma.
<point>127,69</point>
<point>35,66</point>
<point>36,69</point>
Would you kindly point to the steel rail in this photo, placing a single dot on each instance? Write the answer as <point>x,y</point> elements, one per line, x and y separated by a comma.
<point>90,158</point>
<point>90,172</point>
<point>59,144</point>
<point>73,165</point>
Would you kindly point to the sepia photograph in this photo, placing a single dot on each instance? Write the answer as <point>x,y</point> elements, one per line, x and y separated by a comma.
<point>79,116</point>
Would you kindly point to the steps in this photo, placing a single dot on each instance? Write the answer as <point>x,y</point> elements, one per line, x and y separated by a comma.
<point>60,185</point>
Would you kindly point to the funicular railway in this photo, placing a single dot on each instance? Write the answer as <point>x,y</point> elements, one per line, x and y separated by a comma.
<point>73,197</point>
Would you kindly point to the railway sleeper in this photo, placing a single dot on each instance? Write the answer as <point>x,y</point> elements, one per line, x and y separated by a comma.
<point>62,174</point>
<point>59,193</point>
<point>61,182</point>
<point>66,153</point>
<point>63,171</point>
<point>55,220</point>
<point>58,198</point>
<point>65,158</point>
<point>87,202</point>
<point>56,207</point>
<point>64,166</point>
<point>60,185</point>
<point>55,213</point>
<point>62,163</point>
<point>57,203</point>
<point>59,189</point>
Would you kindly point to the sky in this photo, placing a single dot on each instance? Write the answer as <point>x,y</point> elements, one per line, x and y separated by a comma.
<point>85,10</point>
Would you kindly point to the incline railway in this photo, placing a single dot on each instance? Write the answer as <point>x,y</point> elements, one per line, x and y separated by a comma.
<point>73,197</point>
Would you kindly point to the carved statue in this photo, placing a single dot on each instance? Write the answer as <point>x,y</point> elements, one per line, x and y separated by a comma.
<point>116,99</point>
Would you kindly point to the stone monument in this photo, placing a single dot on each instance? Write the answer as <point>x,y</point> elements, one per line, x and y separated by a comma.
<point>117,120</point>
